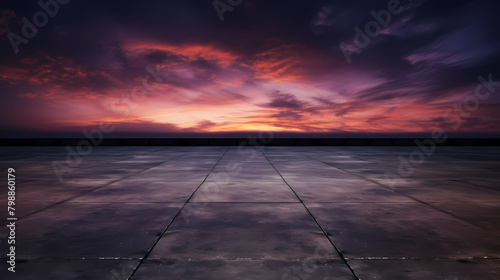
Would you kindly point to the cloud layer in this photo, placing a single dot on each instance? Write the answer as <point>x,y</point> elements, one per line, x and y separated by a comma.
<point>173,66</point>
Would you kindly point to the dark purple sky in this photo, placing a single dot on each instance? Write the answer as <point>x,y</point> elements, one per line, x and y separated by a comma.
<point>283,66</point>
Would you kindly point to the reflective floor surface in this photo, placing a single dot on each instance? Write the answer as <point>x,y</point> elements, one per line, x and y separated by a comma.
<point>253,213</point>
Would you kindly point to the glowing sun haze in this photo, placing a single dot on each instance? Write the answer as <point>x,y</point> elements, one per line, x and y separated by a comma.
<point>173,66</point>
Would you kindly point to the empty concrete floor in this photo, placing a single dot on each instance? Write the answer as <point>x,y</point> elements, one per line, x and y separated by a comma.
<point>254,213</point>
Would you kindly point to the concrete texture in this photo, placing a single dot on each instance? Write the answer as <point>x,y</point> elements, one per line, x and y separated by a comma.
<point>254,213</point>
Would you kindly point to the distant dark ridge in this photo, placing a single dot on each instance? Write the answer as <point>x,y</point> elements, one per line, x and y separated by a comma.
<point>248,142</point>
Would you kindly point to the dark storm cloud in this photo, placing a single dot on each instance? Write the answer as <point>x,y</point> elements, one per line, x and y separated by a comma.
<point>285,100</point>
<point>428,52</point>
<point>91,32</point>
<point>448,52</point>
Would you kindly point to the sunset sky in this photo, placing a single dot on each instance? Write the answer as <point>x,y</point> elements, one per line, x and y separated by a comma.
<point>175,66</point>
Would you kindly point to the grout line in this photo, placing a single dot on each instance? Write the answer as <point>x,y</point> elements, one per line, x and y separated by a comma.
<point>357,157</point>
<point>422,258</point>
<point>272,202</point>
<point>173,219</point>
<point>475,185</point>
<point>403,194</point>
<point>91,190</point>
<point>106,164</point>
<point>312,216</point>
<point>373,258</point>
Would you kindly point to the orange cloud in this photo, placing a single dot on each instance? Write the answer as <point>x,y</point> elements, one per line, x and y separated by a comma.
<point>287,63</point>
<point>189,52</point>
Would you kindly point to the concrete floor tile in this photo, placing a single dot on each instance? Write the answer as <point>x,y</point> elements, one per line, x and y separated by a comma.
<point>348,190</point>
<point>93,230</point>
<point>79,269</point>
<point>245,222</point>
<point>244,191</point>
<point>244,269</point>
<point>402,230</point>
<point>449,191</point>
<point>249,230</point>
<point>426,269</point>
<point>484,215</point>
<point>141,191</point>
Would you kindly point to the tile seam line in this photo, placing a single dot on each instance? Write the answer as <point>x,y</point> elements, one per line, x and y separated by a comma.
<point>106,164</point>
<point>314,219</point>
<point>405,195</point>
<point>271,202</point>
<point>453,180</point>
<point>333,259</point>
<point>412,198</point>
<point>477,186</point>
<point>91,190</point>
<point>141,261</point>
<point>422,258</point>
<point>261,259</point>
